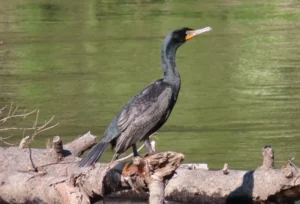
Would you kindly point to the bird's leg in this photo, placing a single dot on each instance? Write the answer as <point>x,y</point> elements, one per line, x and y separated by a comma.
<point>135,152</point>
<point>148,146</point>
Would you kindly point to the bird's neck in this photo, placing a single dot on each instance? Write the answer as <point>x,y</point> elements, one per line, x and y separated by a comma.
<point>171,74</point>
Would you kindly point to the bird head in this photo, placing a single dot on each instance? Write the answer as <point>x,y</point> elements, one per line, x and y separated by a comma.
<point>184,34</point>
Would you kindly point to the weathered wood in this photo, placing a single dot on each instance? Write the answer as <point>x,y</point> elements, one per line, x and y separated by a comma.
<point>85,142</point>
<point>61,181</point>
<point>58,147</point>
<point>56,180</point>
<point>262,185</point>
<point>157,192</point>
<point>24,142</point>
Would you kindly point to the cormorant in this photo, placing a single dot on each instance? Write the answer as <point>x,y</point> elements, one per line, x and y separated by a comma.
<point>147,111</point>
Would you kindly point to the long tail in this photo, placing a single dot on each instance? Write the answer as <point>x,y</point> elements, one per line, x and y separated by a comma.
<point>93,155</point>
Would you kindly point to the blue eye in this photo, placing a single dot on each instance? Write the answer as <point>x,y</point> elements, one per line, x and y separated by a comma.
<point>187,32</point>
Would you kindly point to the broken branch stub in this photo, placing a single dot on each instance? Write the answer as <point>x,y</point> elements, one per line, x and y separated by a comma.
<point>81,144</point>
<point>24,142</point>
<point>152,172</point>
<point>268,158</point>
<point>164,164</point>
<point>63,182</point>
<point>58,147</point>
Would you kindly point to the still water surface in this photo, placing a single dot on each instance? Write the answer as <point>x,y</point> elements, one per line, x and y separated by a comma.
<point>83,60</point>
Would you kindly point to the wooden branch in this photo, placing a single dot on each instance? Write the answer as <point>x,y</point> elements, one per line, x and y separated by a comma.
<point>81,144</point>
<point>2,109</point>
<point>192,185</point>
<point>131,154</point>
<point>225,169</point>
<point>24,142</point>
<point>157,192</point>
<point>261,185</point>
<point>268,158</point>
<point>139,149</point>
<point>153,145</point>
<point>36,129</point>
<point>4,140</point>
<point>12,114</point>
<point>63,182</point>
<point>16,128</point>
<point>58,147</point>
<point>27,187</point>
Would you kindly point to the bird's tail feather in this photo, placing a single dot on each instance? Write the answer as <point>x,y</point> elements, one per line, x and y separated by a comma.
<point>93,155</point>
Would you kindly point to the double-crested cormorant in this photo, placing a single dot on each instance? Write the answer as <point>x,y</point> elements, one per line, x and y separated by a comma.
<point>146,112</point>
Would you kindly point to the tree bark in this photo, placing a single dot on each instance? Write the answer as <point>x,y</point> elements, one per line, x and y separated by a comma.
<point>264,184</point>
<point>51,176</point>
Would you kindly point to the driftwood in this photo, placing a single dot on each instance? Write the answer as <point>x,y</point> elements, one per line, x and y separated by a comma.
<point>51,176</point>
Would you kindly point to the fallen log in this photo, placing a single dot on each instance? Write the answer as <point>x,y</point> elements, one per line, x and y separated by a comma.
<point>262,185</point>
<point>51,176</point>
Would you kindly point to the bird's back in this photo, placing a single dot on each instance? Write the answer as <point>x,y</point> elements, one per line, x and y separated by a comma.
<point>144,114</point>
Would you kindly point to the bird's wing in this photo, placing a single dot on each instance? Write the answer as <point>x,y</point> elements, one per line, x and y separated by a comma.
<point>143,113</point>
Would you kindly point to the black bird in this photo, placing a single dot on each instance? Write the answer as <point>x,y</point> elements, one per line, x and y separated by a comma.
<point>146,112</point>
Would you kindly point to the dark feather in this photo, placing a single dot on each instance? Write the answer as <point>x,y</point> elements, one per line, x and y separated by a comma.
<point>93,155</point>
<point>146,112</point>
<point>143,113</point>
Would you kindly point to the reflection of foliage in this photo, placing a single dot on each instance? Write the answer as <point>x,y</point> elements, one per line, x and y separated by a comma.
<point>13,113</point>
<point>50,11</point>
<point>92,56</point>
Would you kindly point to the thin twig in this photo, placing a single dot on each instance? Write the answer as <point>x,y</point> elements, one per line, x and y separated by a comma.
<point>1,109</point>
<point>15,128</point>
<point>7,143</point>
<point>130,155</point>
<point>15,110</point>
<point>30,157</point>
<point>5,138</point>
<point>35,123</point>
<point>32,128</point>
<point>36,129</point>
<point>45,129</point>
<point>23,133</point>
<point>24,115</point>
<point>11,104</point>
<point>139,149</point>
<point>2,139</point>
<point>292,164</point>
<point>24,142</point>
<point>46,123</point>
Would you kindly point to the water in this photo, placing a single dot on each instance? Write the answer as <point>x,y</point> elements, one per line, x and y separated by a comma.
<point>83,60</point>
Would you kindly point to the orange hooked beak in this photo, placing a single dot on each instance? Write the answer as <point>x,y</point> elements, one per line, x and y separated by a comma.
<point>193,33</point>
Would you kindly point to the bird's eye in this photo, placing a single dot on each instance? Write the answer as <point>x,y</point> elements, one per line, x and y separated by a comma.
<point>187,32</point>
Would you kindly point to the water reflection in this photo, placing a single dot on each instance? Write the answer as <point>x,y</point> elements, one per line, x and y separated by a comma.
<point>81,61</point>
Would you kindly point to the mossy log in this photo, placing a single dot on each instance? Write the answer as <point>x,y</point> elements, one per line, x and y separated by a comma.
<point>51,176</point>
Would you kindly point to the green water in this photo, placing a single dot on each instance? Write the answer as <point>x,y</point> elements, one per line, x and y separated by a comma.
<point>83,60</point>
